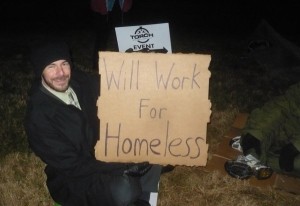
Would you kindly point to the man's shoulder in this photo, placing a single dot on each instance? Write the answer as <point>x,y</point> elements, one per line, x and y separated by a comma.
<point>40,102</point>
<point>88,82</point>
<point>84,76</point>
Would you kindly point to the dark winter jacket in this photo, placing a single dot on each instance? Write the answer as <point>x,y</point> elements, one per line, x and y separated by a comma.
<point>277,123</point>
<point>64,137</point>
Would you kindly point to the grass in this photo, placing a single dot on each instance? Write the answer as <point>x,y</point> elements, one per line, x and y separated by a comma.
<point>237,84</point>
<point>23,181</point>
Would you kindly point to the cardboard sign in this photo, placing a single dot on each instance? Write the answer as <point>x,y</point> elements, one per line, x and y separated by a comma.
<point>145,38</point>
<point>153,107</point>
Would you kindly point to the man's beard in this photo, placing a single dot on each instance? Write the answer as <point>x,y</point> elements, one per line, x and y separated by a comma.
<point>56,85</point>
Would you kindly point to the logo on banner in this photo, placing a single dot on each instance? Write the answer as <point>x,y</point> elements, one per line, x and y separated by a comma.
<point>142,35</point>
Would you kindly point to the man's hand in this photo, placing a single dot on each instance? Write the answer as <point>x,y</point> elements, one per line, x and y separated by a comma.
<point>137,169</point>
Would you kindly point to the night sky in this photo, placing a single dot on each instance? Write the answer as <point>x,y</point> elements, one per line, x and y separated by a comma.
<point>217,16</point>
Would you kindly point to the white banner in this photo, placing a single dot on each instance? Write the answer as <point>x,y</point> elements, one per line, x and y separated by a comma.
<point>144,38</point>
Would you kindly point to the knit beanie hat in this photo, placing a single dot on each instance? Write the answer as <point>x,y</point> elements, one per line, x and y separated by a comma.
<point>48,52</point>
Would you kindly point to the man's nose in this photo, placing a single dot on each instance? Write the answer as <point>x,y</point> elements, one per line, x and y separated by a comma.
<point>60,70</point>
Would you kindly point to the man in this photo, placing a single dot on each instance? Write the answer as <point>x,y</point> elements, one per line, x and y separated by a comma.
<point>270,139</point>
<point>62,127</point>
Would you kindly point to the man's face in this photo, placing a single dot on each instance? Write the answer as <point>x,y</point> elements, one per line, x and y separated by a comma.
<point>57,75</point>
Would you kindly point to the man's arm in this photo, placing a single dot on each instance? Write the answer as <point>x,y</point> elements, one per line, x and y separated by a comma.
<point>263,121</point>
<point>61,142</point>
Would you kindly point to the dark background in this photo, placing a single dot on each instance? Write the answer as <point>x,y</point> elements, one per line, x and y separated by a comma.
<point>227,16</point>
<point>214,27</point>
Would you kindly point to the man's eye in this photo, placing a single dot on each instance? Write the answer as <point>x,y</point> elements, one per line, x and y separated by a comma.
<point>50,66</point>
<point>66,64</point>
